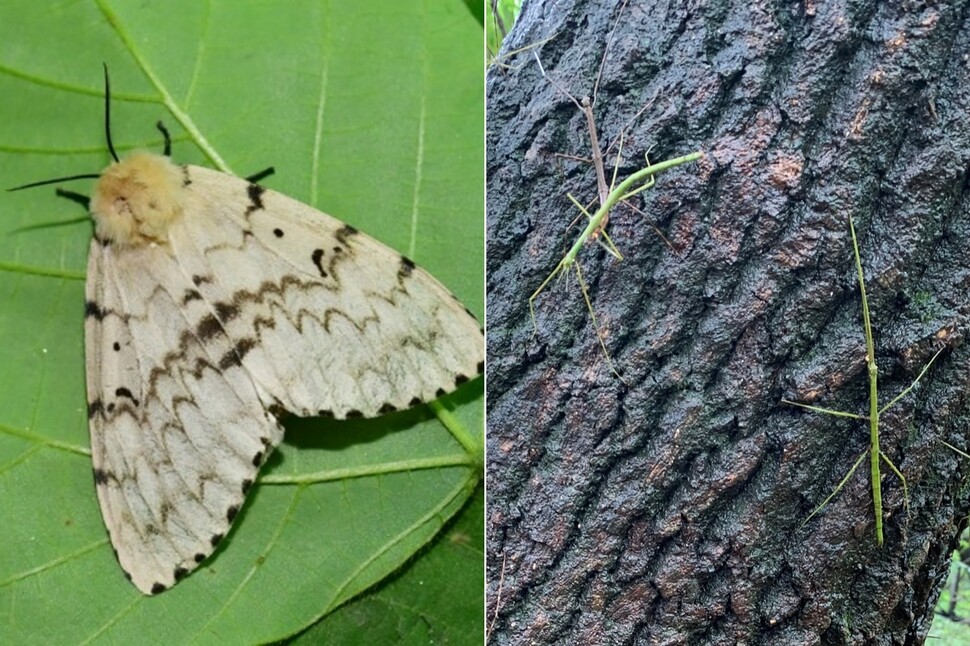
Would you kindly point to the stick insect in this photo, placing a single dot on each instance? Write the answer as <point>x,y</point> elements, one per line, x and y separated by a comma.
<point>609,196</point>
<point>874,452</point>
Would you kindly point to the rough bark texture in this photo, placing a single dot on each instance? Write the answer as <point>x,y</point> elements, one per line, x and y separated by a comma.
<point>668,508</point>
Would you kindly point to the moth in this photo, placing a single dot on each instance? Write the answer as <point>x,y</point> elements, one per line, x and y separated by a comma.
<point>213,305</point>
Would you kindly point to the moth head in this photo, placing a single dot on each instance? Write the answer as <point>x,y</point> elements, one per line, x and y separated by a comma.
<point>137,199</point>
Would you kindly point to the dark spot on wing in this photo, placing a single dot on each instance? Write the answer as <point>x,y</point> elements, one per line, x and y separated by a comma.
<point>460,379</point>
<point>91,309</point>
<point>101,476</point>
<point>276,409</point>
<point>124,392</point>
<point>387,408</point>
<point>414,402</point>
<point>185,176</point>
<point>198,280</point>
<point>481,367</point>
<point>215,540</point>
<point>317,257</point>
<point>246,484</point>
<point>226,311</point>
<point>407,266</point>
<point>200,557</point>
<point>94,408</point>
<point>278,233</point>
<point>179,573</point>
<point>346,232</point>
<point>116,346</point>
<point>158,587</point>
<point>208,327</point>
<point>440,392</point>
<point>261,322</point>
<point>111,407</point>
<point>231,513</point>
<point>353,413</point>
<point>258,458</point>
<point>255,192</point>
<point>325,412</point>
<point>191,295</point>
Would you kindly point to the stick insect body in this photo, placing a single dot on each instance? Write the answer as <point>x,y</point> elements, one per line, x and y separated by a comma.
<point>609,196</point>
<point>876,455</point>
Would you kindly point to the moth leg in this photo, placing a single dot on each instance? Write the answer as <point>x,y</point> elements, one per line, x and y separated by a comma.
<point>83,200</point>
<point>167,150</point>
<point>263,174</point>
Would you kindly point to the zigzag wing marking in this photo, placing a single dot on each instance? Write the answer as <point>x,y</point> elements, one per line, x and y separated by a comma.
<point>178,431</point>
<point>327,320</point>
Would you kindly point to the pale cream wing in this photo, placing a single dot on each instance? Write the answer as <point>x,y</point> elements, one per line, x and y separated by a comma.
<point>326,320</point>
<point>178,431</point>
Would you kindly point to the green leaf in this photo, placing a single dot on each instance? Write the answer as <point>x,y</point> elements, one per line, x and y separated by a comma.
<point>423,604</point>
<point>370,111</point>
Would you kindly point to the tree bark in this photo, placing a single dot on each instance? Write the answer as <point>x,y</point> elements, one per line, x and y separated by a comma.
<point>670,507</point>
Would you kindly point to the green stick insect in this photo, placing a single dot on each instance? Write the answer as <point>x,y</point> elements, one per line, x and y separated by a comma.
<point>621,192</point>
<point>876,456</point>
<point>609,197</point>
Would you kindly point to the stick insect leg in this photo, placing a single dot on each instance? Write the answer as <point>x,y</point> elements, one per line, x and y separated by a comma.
<point>596,326</point>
